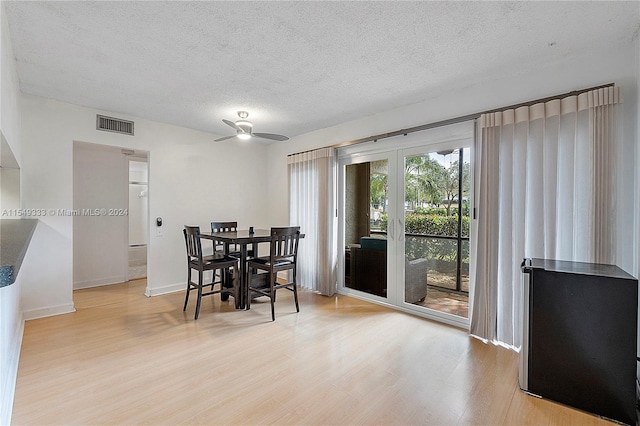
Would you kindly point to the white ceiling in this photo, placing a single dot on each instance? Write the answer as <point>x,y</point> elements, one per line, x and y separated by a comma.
<point>295,66</point>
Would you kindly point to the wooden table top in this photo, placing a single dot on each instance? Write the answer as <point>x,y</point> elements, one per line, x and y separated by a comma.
<point>240,236</point>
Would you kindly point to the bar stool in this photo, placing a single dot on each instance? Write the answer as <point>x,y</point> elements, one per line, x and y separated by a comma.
<point>196,261</point>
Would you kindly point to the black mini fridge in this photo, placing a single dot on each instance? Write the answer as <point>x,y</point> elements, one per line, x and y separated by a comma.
<point>580,336</point>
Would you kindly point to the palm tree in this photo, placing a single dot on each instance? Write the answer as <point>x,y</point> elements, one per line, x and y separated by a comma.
<point>422,178</point>
<point>450,183</point>
<point>379,190</point>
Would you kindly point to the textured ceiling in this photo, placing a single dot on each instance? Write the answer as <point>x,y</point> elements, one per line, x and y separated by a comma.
<point>295,66</point>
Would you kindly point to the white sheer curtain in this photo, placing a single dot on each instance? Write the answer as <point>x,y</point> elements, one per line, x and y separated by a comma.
<point>312,206</point>
<point>546,189</point>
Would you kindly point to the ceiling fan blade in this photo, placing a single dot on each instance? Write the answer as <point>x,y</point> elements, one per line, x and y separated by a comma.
<point>225,138</point>
<point>232,124</point>
<point>271,136</point>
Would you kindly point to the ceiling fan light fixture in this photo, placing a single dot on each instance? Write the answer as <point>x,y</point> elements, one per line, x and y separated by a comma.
<point>241,123</point>
<point>244,130</point>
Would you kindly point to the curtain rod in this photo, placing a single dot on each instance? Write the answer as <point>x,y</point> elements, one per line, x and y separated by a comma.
<point>453,120</point>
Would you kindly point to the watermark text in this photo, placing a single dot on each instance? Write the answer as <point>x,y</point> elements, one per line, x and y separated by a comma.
<point>63,212</point>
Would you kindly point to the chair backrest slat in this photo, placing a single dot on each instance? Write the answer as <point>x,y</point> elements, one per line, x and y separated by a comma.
<point>284,243</point>
<point>222,227</point>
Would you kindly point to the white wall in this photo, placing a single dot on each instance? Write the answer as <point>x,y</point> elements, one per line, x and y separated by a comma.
<point>582,70</point>
<point>100,181</point>
<point>191,181</point>
<point>636,251</point>
<point>11,322</point>
<point>9,91</point>
<point>636,271</point>
<point>10,188</point>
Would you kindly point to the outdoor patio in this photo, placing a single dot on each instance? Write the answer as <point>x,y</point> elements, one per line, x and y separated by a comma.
<point>443,300</point>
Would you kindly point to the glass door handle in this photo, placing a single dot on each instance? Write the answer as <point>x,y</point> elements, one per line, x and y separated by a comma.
<point>391,229</point>
<point>401,230</point>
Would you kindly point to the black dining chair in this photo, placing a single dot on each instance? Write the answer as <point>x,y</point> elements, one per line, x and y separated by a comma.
<point>197,261</point>
<point>283,256</point>
<point>234,250</point>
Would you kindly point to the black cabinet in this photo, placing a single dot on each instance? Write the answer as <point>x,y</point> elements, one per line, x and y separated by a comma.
<point>369,270</point>
<point>580,336</point>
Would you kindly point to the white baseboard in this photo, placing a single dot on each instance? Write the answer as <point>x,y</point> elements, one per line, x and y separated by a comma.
<point>117,279</point>
<point>48,311</point>
<point>172,288</point>
<point>8,388</point>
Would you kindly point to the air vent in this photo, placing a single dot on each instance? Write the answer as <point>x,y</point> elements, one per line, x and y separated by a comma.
<point>110,124</point>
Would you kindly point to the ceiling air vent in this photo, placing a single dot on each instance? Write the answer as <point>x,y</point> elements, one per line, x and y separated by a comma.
<point>110,124</point>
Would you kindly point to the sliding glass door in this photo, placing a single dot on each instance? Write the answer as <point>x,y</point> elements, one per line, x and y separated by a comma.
<point>405,224</point>
<point>436,229</point>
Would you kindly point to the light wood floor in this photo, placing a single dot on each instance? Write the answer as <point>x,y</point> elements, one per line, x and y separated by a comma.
<point>123,358</point>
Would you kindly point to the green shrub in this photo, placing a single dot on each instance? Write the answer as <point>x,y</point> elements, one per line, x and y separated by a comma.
<point>434,248</point>
<point>418,246</point>
<point>383,222</point>
<point>431,224</point>
<point>441,211</point>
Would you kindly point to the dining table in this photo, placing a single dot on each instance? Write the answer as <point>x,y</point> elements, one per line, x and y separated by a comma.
<point>242,238</point>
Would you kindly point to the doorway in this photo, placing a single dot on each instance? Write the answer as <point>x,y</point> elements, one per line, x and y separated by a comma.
<point>366,200</point>
<point>404,218</point>
<point>138,218</point>
<point>101,214</point>
<point>437,190</point>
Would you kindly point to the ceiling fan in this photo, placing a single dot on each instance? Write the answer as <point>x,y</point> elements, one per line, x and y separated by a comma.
<point>244,129</point>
